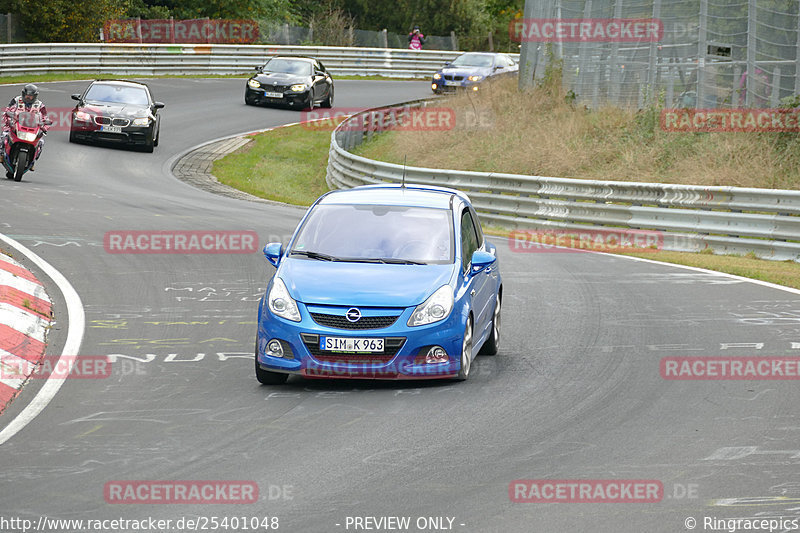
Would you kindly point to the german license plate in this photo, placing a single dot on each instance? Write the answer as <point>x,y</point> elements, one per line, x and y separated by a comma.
<point>111,129</point>
<point>452,83</point>
<point>273,95</point>
<point>345,344</point>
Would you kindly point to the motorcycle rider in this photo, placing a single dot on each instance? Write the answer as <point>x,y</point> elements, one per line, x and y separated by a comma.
<point>28,101</point>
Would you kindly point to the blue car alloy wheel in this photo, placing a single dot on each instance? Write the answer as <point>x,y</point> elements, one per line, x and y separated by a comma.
<point>381,282</point>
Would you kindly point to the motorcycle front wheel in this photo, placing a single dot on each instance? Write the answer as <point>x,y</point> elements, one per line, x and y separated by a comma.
<point>22,164</point>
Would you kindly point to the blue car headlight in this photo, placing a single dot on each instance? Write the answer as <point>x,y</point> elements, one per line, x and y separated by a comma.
<point>280,303</point>
<point>437,76</point>
<point>475,78</point>
<point>437,307</point>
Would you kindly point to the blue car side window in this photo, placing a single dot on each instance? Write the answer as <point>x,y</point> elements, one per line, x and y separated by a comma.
<point>469,239</point>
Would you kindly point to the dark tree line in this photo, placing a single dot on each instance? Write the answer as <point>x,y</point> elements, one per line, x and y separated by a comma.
<point>79,20</point>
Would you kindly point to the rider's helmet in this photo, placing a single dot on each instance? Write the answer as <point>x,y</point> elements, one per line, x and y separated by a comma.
<point>30,93</point>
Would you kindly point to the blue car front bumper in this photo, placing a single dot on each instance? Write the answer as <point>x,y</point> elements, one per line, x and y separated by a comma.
<point>403,356</point>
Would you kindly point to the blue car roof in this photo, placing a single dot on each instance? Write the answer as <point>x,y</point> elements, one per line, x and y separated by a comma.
<point>391,194</point>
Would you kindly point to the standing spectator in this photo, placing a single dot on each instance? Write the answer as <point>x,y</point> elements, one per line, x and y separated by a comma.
<point>416,39</point>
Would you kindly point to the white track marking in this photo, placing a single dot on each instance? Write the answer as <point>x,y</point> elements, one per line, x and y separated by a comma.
<point>706,271</point>
<point>77,323</point>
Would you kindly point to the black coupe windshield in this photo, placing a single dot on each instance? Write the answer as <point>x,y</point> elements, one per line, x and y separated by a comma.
<point>117,94</point>
<point>287,66</point>
<point>393,234</point>
<point>472,60</point>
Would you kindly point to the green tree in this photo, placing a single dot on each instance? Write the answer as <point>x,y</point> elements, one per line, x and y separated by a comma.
<point>65,20</point>
<point>233,9</point>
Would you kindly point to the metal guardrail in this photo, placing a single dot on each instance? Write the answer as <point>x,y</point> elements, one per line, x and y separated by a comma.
<point>730,220</point>
<point>154,59</point>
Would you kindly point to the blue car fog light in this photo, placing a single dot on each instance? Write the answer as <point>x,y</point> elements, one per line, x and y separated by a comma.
<point>277,348</point>
<point>436,354</point>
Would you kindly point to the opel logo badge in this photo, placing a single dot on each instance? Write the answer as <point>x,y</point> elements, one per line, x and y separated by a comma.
<point>353,314</point>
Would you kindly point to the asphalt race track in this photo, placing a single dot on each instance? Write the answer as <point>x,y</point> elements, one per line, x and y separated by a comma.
<point>574,394</point>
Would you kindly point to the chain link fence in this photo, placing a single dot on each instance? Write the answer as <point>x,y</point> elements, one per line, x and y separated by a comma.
<point>711,53</point>
<point>276,33</point>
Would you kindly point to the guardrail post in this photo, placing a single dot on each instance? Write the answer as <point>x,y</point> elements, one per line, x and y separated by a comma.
<point>384,36</point>
<point>453,40</point>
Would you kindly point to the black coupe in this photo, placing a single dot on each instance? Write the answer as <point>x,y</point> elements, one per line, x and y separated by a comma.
<point>299,82</point>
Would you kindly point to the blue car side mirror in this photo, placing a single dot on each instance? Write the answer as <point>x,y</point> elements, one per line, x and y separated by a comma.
<point>481,260</point>
<point>273,252</point>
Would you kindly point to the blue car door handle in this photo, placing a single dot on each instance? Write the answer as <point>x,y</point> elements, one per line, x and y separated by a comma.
<point>472,292</point>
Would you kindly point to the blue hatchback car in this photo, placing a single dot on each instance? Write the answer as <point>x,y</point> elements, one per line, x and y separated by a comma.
<point>381,282</point>
<point>468,70</point>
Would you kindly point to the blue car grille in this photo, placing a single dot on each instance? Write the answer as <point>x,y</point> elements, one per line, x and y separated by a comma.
<point>450,77</point>
<point>391,346</point>
<point>365,322</point>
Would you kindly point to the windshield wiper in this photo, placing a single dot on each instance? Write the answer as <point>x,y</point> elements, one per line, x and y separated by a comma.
<point>314,255</point>
<point>380,260</point>
<point>384,261</point>
<point>393,261</point>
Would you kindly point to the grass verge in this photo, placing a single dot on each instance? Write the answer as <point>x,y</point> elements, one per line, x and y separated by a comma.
<point>543,132</point>
<point>286,165</point>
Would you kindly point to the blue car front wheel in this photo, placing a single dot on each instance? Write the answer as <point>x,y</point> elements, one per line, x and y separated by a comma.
<point>492,344</point>
<point>466,352</point>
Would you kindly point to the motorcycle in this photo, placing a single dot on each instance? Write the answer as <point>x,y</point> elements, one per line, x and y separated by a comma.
<point>21,142</point>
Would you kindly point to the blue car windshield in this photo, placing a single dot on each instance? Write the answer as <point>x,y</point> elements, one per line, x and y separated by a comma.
<point>288,66</point>
<point>377,232</point>
<point>472,60</point>
<point>117,94</point>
